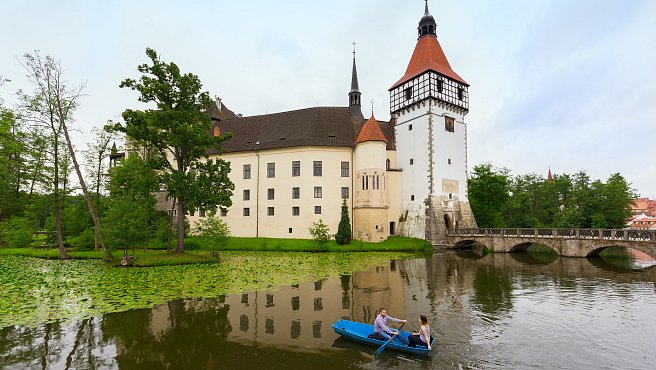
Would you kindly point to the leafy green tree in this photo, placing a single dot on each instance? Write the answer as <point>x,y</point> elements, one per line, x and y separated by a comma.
<point>488,195</point>
<point>132,182</point>
<point>178,129</point>
<point>343,235</point>
<point>14,159</point>
<point>320,232</point>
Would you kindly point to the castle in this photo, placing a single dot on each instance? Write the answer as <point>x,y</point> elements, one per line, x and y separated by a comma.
<point>404,177</point>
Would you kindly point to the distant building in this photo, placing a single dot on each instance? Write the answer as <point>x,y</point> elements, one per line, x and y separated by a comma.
<point>644,214</point>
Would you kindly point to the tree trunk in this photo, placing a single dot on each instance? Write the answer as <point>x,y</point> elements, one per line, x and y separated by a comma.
<point>170,225</point>
<point>58,228</point>
<point>92,211</point>
<point>181,227</point>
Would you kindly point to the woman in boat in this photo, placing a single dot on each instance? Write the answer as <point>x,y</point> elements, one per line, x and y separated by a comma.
<point>423,337</point>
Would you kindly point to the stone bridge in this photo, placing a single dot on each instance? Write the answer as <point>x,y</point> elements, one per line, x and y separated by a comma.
<point>566,242</point>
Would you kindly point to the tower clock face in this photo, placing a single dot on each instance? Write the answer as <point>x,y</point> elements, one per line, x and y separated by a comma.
<point>429,85</point>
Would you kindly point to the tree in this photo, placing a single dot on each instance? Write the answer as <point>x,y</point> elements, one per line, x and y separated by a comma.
<point>343,235</point>
<point>96,164</point>
<point>488,195</point>
<point>178,130</point>
<point>132,183</point>
<point>320,232</point>
<point>55,103</point>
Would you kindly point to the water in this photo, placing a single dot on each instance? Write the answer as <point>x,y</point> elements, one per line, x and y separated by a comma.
<point>500,311</point>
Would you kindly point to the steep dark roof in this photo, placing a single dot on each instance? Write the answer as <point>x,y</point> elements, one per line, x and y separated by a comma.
<point>318,126</point>
<point>222,114</point>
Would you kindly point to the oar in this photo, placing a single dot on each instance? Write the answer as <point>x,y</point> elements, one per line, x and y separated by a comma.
<point>382,348</point>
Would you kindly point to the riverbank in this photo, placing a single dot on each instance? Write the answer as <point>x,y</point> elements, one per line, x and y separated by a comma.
<point>203,250</point>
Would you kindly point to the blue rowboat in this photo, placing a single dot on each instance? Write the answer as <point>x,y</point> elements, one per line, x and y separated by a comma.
<point>359,332</point>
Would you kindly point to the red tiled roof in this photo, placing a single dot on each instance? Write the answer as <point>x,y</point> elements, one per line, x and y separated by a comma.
<point>370,132</point>
<point>428,55</point>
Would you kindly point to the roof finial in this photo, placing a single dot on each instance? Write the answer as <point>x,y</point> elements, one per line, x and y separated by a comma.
<point>372,107</point>
<point>426,8</point>
<point>354,50</point>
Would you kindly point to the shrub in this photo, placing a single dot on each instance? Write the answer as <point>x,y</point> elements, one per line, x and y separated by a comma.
<point>343,235</point>
<point>84,241</point>
<point>211,230</point>
<point>320,232</point>
<point>17,232</point>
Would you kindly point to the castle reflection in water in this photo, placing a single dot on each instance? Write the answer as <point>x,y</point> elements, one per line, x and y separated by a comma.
<point>301,315</point>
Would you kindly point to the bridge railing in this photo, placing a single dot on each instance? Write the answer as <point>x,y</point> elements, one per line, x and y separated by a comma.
<point>602,234</point>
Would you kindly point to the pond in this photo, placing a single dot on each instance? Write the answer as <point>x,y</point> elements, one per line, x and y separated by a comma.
<point>498,311</point>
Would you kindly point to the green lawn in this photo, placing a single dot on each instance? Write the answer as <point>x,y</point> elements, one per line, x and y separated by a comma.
<point>201,250</point>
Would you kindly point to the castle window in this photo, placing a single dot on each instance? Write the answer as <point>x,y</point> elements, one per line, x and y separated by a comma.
<point>460,93</point>
<point>449,124</point>
<point>247,211</point>
<point>296,168</point>
<point>317,168</point>
<point>317,210</point>
<point>449,162</point>
<point>345,169</point>
<point>296,211</point>
<point>290,230</point>
<point>270,211</point>
<point>366,183</point>
<point>440,85</point>
<point>363,182</point>
<point>412,197</point>
<point>409,127</point>
<point>408,93</point>
<point>296,193</point>
<point>387,164</point>
<point>247,194</point>
<point>271,169</point>
<point>247,171</point>
<point>318,192</point>
<point>345,192</point>
<point>412,161</point>
<point>271,194</point>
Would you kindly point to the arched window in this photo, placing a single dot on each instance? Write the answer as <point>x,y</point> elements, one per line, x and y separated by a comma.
<point>387,164</point>
<point>366,183</point>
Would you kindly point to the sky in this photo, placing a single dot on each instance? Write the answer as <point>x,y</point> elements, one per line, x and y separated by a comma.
<point>560,84</point>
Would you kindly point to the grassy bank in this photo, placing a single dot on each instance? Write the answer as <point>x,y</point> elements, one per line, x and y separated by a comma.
<point>141,258</point>
<point>392,244</point>
<point>201,250</point>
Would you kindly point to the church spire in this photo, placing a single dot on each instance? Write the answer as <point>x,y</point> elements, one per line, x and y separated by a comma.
<point>427,25</point>
<point>354,94</point>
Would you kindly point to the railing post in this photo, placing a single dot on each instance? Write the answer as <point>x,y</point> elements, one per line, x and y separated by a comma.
<point>577,233</point>
<point>535,232</point>
<point>554,233</point>
<point>625,234</point>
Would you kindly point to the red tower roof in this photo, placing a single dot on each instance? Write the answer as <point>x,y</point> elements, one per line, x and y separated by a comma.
<point>370,132</point>
<point>549,177</point>
<point>428,56</point>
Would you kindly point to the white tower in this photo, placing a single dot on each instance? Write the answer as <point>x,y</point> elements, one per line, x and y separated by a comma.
<point>430,102</point>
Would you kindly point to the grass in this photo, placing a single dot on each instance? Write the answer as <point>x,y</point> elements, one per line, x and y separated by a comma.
<point>142,259</point>
<point>392,244</point>
<point>201,250</point>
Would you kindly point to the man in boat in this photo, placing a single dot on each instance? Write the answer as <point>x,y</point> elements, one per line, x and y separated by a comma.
<point>380,326</point>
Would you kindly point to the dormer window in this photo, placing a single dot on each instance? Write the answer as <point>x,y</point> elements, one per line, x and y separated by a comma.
<point>217,131</point>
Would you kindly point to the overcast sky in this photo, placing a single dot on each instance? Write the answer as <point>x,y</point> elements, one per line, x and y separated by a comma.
<point>560,83</point>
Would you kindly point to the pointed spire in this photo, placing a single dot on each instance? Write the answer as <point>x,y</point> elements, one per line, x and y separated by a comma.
<point>354,94</point>
<point>427,25</point>
<point>354,75</point>
<point>549,177</point>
